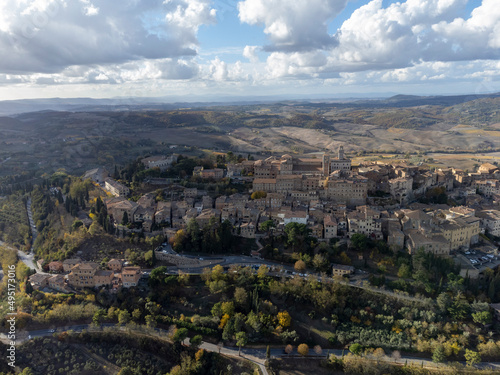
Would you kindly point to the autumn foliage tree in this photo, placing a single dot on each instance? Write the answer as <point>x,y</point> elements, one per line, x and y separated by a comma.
<point>258,194</point>
<point>284,319</point>
<point>303,349</point>
<point>300,265</point>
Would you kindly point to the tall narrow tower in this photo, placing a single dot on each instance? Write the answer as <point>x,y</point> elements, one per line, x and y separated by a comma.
<point>341,153</point>
<point>326,164</point>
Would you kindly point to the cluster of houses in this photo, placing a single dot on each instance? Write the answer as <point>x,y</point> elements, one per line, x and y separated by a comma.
<point>334,200</point>
<point>74,274</point>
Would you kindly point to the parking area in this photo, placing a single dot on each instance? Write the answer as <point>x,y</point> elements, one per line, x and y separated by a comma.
<point>481,257</point>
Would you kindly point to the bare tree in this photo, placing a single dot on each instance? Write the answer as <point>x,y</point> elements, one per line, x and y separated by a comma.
<point>396,355</point>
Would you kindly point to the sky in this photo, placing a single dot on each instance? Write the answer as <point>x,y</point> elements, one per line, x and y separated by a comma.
<point>192,49</point>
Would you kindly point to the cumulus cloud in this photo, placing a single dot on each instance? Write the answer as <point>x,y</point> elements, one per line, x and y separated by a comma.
<point>218,70</point>
<point>250,52</point>
<point>394,37</point>
<point>95,43</point>
<point>293,25</point>
<point>51,35</point>
<point>282,64</point>
<point>478,37</point>
<point>375,37</point>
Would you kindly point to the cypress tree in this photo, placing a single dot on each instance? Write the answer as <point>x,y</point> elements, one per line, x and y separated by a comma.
<point>153,258</point>
<point>492,290</point>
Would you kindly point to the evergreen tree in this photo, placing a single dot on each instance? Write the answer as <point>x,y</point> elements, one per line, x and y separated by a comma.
<point>255,300</point>
<point>153,258</point>
<point>439,354</point>
<point>28,288</point>
<point>125,218</point>
<point>98,204</point>
<point>492,290</point>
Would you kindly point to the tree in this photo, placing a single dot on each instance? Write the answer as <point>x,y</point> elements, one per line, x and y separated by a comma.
<point>284,319</point>
<point>267,225</point>
<point>223,321</point>
<point>262,271</point>
<point>199,355</point>
<point>179,241</point>
<point>359,241</point>
<point>217,272</point>
<point>356,348</point>
<point>404,271</point>
<point>194,234</point>
<point>455,283</point>
<point>227,308</point>
<point>459,308</point>
<point>258,194</point>
<point>150,321</point>
<point>241,340</point>
<point>180,335</point>
<point>396,355</point>
<point>152,307</point>
<point>344,258</point>
<point>303,349</point>
<point>196,341</point>
<point>378,354</point>
<point>241,297</point>
<point>157,276</point>
<point>125,218</point>
<point>439,354</point>
<point>482,317</point>
<point>268,352</point>
<point>300,266</point>
<point>492,290</point>
<point>443,302</point>
<point>28,288</point>
<point>123,317</point>
<point>297,235</point>
<point>472,357</point>
<point>126,371</point>
<point>289,336</point>
<point>320,262</point>
<point>136,314</point>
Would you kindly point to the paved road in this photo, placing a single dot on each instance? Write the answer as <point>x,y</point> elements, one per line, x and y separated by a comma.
<point>288,271</point>
<point>257,356</point>
<point>25,258</point>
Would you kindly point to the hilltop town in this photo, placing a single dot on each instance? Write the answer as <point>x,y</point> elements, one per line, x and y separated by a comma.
<point>447,212</point>
<point>267,247</point>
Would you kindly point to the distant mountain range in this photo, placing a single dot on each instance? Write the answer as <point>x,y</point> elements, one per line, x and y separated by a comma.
<point>12,107</point>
